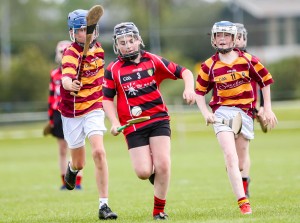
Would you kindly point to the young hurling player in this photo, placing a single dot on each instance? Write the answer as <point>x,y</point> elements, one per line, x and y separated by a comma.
<point>134,77</point>
<point>55,123</point>
<point>228,74</point>
<point>244,155</point>
<point>82,115</point>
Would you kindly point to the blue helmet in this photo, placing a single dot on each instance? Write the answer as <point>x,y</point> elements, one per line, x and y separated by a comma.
<point>77,19</point>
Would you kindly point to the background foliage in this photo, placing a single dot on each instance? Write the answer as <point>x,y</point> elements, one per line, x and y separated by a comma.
<point>182,27</point>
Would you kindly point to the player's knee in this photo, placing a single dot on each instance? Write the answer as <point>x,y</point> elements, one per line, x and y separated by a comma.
<point>78,165</point>
<point>143,174</point>
<point>99,154</point>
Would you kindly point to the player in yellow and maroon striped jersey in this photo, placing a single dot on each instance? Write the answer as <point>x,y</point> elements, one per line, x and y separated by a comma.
<point>244,153</point>
<point>83,115</point>
<point>55,122</point>
<point>229,74</point>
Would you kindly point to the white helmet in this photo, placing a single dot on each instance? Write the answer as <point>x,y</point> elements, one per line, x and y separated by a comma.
<point>223,27</point>
<point>61,46</point>
<point>242,30</point>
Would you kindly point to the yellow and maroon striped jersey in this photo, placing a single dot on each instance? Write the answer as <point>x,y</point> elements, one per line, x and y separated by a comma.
<point>231,83</point>
<point>90,96</point>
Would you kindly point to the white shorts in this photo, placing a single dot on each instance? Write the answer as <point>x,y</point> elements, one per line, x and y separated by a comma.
<point>77,129</point>
<point>226,112</point>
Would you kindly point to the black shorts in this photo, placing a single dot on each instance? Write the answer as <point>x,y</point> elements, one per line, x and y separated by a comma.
<point>57,130</point>
<point>141,136</point>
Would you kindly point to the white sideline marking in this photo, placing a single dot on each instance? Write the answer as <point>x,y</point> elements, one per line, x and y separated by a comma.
<point>180,127</point>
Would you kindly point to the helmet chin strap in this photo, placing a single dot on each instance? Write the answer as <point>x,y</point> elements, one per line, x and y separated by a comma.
<point>130,56</point>
<point>224,51</point>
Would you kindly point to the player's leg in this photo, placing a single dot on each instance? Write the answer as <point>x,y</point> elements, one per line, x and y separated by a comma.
<point>95,128</point>
<point>75,137</point>
<point>161,147</point>
<point>227,143</point>
<point>141,160</point>
<point>62,159</point>
<point>57,131</point>
<point>101,168</point>
<point>242,146</point>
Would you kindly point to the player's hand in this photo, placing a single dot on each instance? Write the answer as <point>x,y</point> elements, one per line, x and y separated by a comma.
<point>76,85</point>
<point>47,129</point>
<point>260,111</point>
<point>189,96</point>
<point>209,118</point>
<point>114,130</point>
<point>269,118</point>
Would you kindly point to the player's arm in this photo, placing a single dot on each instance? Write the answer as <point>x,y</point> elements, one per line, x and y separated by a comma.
<point>110,112</point>
<point>70,84</point>
<point>268,116</point>
<point>188,93</point>
<point>202,87</point>
<point>109,92</point>
<point>207,114</point>
<point>261,104</point>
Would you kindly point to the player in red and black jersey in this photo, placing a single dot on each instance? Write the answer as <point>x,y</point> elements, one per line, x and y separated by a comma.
<point>55,123</point>
<point>229,74</point>
<point>134,77</point>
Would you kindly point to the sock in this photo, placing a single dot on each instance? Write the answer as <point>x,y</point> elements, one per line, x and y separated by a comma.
<point>73,171</point>
<point>103,201</point>
<point>243,200</point>
<point>245,183</point>
<point>63,179</point>
<point>78,180</point>
<point>159,206</point>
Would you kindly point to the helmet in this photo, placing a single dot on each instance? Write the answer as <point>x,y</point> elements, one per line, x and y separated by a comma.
<point>242,30</point>
<point>77,19</point>
<point>122,30</point>
<point>223,27</point>
<point>61,46</point>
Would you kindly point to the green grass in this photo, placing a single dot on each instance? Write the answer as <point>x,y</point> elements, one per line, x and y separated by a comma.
<point>199,190</point>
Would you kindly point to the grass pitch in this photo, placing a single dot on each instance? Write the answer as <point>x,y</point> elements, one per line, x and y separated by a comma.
<point>199,190</point>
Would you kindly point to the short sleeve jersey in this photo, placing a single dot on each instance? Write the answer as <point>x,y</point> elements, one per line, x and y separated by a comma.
<point>137,84</point>
<point>231,83</point>
<point>90,95</point>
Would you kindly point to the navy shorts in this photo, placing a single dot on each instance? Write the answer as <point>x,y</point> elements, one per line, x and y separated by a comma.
<point>141,136</point>
<point>57,130</point>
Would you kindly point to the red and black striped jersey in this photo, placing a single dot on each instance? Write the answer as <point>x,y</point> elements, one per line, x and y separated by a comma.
<point>137,84</point>
<point>231,83</point>
<point>54,92</point>
<point>90,96</point>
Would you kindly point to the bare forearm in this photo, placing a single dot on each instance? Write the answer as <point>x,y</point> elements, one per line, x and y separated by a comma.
<point>267,97</point>
<point>110,112</point>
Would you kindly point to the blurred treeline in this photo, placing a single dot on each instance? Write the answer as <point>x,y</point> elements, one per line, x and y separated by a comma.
<point>176,29</point>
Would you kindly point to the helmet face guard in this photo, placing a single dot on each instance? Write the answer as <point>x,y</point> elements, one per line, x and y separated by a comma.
<point>121,31</point>
<point>241,30</point>
<point>223,27</point>
<point>77,20</point>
